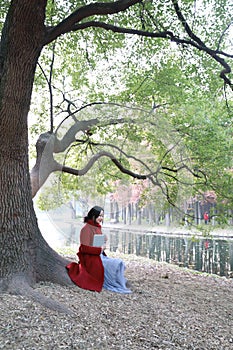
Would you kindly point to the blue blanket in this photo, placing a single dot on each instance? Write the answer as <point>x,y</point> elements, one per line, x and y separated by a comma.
<point>114,279</point>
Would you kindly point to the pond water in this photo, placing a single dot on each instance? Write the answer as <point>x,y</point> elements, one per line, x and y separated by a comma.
<point>213,256</point>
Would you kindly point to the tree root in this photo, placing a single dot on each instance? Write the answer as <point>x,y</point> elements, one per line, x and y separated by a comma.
<point>19,285</point>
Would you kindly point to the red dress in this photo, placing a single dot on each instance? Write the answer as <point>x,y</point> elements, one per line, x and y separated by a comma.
<point>88,273</point>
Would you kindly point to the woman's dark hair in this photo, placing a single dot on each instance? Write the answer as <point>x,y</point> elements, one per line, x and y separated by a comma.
<point>93,213</point>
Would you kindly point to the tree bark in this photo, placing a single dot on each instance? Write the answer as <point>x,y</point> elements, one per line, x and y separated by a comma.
<point>25,257</point>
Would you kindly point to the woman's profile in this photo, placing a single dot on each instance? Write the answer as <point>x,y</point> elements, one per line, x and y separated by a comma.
<point>95,270</point>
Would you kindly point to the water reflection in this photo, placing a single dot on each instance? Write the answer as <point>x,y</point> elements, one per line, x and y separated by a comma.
<point>211,256</point>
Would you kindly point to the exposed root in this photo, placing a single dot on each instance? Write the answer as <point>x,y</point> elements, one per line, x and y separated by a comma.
<point>47,302</point>
<point>18,285</point>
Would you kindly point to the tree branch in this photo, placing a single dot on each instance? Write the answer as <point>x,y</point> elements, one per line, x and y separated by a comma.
<point>97,156</point>
<point>69,137</point>
<point>122,152</point>
<point>96,24</point>
<point>49,82</point>
<point>195,42</point>
<point>201,46</point>
<point>98,8</point>
<point>71,23</point>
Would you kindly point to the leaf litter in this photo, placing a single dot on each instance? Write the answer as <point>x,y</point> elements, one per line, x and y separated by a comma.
<point>170,308</point>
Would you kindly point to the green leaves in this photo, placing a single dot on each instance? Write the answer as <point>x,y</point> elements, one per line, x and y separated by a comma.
<point>166,90</point>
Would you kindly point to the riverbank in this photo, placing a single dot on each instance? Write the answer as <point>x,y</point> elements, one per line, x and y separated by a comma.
<point>170,308</point>
<point>226,232</point>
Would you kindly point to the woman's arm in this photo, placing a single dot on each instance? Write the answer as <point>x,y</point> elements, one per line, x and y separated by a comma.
<point>86,235</point>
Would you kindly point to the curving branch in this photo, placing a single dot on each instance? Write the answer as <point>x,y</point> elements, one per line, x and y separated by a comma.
<point>97,156</point>
<point>98,8</point>
<point>193,41</point>
<point>48,144</point>
<point>69,137</point>
<point>115,161</point>
<point>201,45</point>
<point>96,24</point>
<point>123,153</point>
<point>45,164</point>
<point>223,33</point>
<point>197,43</point>
<point>72,23</point>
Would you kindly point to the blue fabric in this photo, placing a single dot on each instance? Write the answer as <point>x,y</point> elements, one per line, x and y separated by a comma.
<point>114,279</point>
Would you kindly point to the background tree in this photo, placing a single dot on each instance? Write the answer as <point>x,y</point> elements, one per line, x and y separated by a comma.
<point>29,29</point>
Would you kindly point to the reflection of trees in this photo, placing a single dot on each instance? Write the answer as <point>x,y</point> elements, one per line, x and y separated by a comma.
<point>215,258</point>
<point>223,250</point>
<point>212,256</point>
<point>197,255</point>
<point>130,243</point>
<point>138,244</point>
<point>113,240</point>
<point>231,258</point>
<point>152,245</point>
<point>206,258</point>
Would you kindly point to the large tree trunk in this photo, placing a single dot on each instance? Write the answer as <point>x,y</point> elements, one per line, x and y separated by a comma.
<point>25,258</point>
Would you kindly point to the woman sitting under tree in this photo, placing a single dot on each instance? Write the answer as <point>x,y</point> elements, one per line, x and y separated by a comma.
<point>95,270</point>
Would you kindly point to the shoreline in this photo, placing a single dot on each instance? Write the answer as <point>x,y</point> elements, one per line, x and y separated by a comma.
<point>174,231</point>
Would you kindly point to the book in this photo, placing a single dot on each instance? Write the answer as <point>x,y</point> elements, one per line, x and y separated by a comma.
<point>99,241</point>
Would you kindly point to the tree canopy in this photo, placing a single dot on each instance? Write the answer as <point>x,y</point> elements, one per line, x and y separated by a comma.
<point>172,64</point>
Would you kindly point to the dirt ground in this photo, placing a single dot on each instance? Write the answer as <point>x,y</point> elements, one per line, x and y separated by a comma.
<point>170,308</point>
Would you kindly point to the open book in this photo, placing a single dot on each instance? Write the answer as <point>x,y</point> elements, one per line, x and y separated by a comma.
<point>99,241</point>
